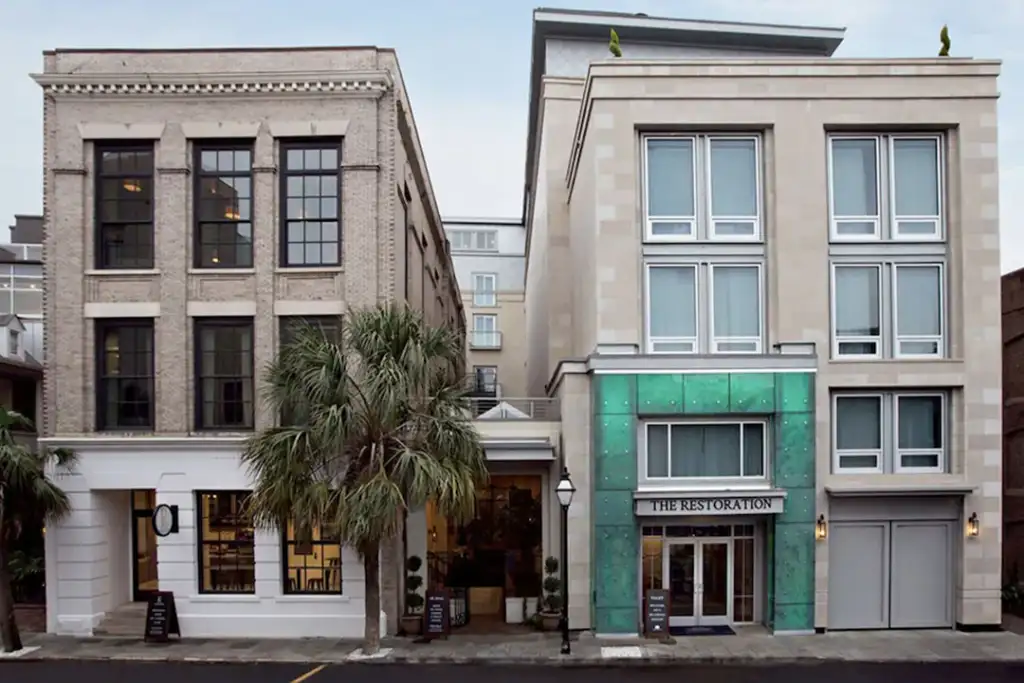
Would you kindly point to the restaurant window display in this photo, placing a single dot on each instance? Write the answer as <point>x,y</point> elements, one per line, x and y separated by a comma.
<point>227,557</point>
<point>312,561</point>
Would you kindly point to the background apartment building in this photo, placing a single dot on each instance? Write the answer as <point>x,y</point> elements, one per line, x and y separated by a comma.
<point>1013,425</point>
<point>773,330</point>
<point>196,204</point>
<point>490,258</point>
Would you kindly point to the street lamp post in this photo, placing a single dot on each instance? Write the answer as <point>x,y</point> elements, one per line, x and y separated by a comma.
<point>565,491</point>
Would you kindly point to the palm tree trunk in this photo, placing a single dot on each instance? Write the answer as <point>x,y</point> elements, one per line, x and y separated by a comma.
<point>8,625</point>
<point>371,577</point>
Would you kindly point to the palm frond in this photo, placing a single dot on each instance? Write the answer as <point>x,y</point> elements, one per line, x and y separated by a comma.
<point>379,423</point>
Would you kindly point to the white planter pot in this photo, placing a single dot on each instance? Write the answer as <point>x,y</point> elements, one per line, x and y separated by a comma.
<point>514,612</point>
<point>532,607</point>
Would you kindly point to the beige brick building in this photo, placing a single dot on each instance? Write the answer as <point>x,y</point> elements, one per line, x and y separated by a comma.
<point>763,283</point>
<point>197,201</point>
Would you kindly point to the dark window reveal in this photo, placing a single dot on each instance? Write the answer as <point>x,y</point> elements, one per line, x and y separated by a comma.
<point>227,549</point>
<point>125,374</point>
<point>310,186</point>
<point>124,206</point>
<point>223,207</point>
<point>224,374</point>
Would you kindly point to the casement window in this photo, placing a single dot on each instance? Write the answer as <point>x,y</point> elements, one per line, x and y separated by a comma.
<point>485,289</point>
<point>702,187</point>
<point>485,333</point>
<point>124,206</point>
<point>705,450</point>
<point>886,188</point>
<point>223,205</point>
<point>310,191</point>
<point>485,379</point>
<point>125,374</point>
<point>227,546</point>
<point>705,307</point>
<point>876,432</point>
<point>224,374</point>
<point>473,240</point>
<point>888,309</point>
<point>311,561</point>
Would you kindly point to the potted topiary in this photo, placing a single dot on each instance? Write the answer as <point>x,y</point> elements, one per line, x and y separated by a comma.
<point>412,620</point>
<point>551,610</point>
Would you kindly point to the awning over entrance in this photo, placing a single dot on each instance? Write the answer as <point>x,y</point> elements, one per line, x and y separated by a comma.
<point>519,450</point>
<point>667,503</point>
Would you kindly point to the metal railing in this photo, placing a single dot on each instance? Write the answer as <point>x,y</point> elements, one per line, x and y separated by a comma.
<point>484,339</point>
<point>506,408</point>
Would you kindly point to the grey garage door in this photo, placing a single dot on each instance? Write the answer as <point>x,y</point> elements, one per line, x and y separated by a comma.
<point>890,574</point>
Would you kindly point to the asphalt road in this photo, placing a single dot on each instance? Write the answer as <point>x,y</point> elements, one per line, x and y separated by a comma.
<point>137,672</point>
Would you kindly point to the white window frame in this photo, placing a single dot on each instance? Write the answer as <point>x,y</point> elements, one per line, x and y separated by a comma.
<point>715,339</point>
<point>878,454</point>
<point>492,333</point>
<point>833,315</point>
<point>694,340</point>
<point>14,342</point>
<point>890,456</point>
<point>885,191</point>
<point>835,220</point>
<point>668,424</point>
<point>939,233</point>
<point>485,297</point>
<point>714,220</point>
<point>898,452</point>
<point>703,222</point>
<point>939,339</point>
<point>650,221</point>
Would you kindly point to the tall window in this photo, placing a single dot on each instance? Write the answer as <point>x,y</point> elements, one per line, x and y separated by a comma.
<point>223,207</point>
<point>485,379</point>
<point>124,205</point>
<point>224,374</point>
<point>704,308</point>
<point>312,561</point>
<point>311,186</point>
<point>329,325</point>
<point>227,548</point>
<point>888,309</point>
<point>125,374</point>
<point>485,333</point>
<point>874,432</point>
<point>705,450</point>
<point>485,289</point>
<point>702,187</point>
<point>886,188</point>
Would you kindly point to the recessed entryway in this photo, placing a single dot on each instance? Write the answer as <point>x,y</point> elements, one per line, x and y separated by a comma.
<point>144,563</point>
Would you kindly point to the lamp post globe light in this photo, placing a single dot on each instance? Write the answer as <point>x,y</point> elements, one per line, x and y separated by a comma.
<point>565,491</point>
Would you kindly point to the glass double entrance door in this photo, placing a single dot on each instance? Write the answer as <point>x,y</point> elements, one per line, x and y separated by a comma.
<point>698,574</point>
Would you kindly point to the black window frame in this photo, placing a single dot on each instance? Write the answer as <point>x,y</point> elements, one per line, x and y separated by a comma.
<point>309,547</point>
<point>200,324</point>
<point>198,241</point>
<point>103,379</point>
<point>240,525</point>
<point>145,258</point>
<point>330,325</point>
<point>284,146</point>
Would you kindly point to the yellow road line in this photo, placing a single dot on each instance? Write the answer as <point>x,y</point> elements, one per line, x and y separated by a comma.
<point>309,674</point>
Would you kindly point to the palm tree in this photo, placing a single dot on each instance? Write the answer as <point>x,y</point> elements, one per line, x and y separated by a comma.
<point>377,423</point>
<point>26,494</point>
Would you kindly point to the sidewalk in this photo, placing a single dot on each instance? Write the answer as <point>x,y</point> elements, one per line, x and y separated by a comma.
<point>543,649</point>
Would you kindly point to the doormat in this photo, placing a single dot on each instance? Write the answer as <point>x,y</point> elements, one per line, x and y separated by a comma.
<point>701,631</point>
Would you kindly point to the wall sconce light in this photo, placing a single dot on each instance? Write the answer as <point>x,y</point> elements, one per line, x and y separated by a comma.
<point>433,533</point>
<point>821,528</point>
<point>973,526</point>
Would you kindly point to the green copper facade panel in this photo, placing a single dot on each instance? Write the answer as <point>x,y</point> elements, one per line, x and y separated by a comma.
<point>621,401</point>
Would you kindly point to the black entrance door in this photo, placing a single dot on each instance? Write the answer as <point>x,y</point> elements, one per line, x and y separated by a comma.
<point>144,572</point>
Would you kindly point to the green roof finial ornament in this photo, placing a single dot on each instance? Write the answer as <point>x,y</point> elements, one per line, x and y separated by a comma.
<point>944,38</point>
<point>613,45</point>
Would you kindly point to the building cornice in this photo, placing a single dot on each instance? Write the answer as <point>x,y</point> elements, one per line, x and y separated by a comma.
<point>114,442</point>
<point>254,84</point>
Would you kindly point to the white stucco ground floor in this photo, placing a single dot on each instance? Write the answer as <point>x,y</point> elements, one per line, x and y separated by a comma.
<point>228,579</point>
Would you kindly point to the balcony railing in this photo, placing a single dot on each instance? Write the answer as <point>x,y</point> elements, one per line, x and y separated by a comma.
<point>504,408</point>
<point>484,339</point>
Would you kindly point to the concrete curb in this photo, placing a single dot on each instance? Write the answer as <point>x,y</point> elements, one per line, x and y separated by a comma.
<point>572,661</point>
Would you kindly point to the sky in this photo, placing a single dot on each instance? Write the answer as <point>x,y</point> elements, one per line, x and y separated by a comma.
<point>466,65</point>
